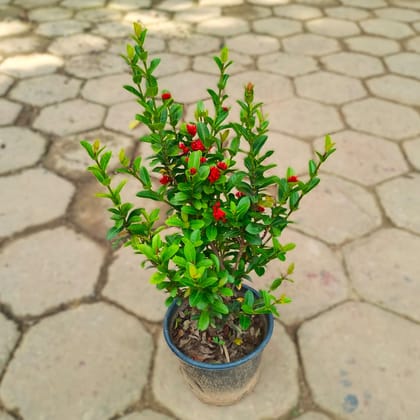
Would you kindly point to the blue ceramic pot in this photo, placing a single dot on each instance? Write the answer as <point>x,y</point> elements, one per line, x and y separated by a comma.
<point>224,383</point>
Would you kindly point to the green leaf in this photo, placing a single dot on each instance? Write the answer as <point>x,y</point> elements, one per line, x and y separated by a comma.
<point>211,232</point>
<point>226,291</point>
<point>244,321</point>
<point>179,198</point>
<point>249,298</point>
<point>293,200</point>
<point>153,64</point>
<point>169,252</point>
<point>113,232</point>
<point>194,159</point>
<point>243,206</point>
<point>204,320</point>
<point>276,283</point>
<point>189,251</point>
<point>174,221</point>
<point>147,251</point>
<point>88,147</point>
<point>312,168</point>
<point>132,90</point>
<point>254,228</point>
<point>203,132</point>
<point>137,229</point>
<point>157,277</point>
<point>145,177</point>
<point>149,194</point>
<point>196,224</point>
<point>220,307</point>
<point>259,143</point>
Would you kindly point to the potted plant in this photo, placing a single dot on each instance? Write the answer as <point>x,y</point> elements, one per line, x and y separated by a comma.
<point>223,227</point>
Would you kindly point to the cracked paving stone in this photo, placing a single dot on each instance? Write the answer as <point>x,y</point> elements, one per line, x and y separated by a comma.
<point>386,28</point>
<point>51,254</point>
<point>412,150</point>
<point>25,44</point>
<point>349,13</point>
<point>310,44</point>
<point>406,63</point>
<point>94,359</point>
<point>196,44</point>
<point>253,44</point>
<point>400,198</point>
<point>372,45</point>
<point>278,377</point>
<point>9,335</point>
<point>332,27</point>
<point>13,27</point>
<point>319,278</point>
<point>77,44</point>
<point>329,88</point>
<point>362,158</point>
<point>45,14</point>
<point>344,360</point>
<point>8,111</point>
<point>146,415</point>
<point>20,147</point>
<point>297,11</point>
<point>94,65</point>
<point>119,117</point>
<point>26,199</point>
<point>69,117</point>
<point>396,88</point>
<point>287,64</point>
<point>128,284</point>
<point>108,90</point>
<point>353,64</point>
<point>359,213</point>
<point>62,28</point>
<point>223,26</point>
<point>69,159</point>
<point>45,90</point>
<point>278,27</point>
<point>303,118</point>
<point>382,118</point>
<point>388,278</point>
<point>30,65</point>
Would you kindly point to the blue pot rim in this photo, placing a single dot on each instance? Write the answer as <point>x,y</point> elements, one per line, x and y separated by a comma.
<point>215,366</point>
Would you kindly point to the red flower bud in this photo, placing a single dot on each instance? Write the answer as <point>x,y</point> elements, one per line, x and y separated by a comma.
<point>240,194</point>
<point>218,213</point>
<point>203,159</point>
<point>166,96</point>
<point>165,179</point>
<point>225,108</point>
<point>214,174</point>
<point>292,178</point>
<point>260,209</point>
<point>193,171</point>
<point>222,166</point>
<point>184,148</point>
<point>197,145</point>
<point>192,129</point>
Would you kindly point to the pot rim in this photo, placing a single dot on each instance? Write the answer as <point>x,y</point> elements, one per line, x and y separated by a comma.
<point>215,366</point>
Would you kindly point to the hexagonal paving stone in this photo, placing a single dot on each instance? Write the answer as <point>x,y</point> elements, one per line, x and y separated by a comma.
<point>406,3</point>
<point>146,415</point>
<point>319,278</point>
<point>248,11</point>
<point>128,284</point>
<point>62,28</point>
<point>5,416</point>
<point>333,27</point>
<point>128,4</point>
<point>114,29</point>
<point>196,44</point>
<point>98,15</point>
<point>359,213</point>
<point>372,45</point>
<point>175,5</point>
<point>30,65</point>
<point>83,4</point>
<point>276,26</point>
<point>371,4</point>
<point>94,65</point>
<point>388,278</point>
<point>5,83</point>
<point>45,90</point>
<point>223,26</point>
<point>8,111</point>
<point>206,64</point>
<point>412,150</point>
<point>401,200</point>
<point>108,90</point>
<point>69,117</point>
<point>27,197</point>
<point>396,88</point>
<point>268,87</point>
<point>364,159</point>
<point>68,158</point>
<point>348,351</point>
<point>278,377</point>
<point>147,17</point>
<point>386,28</point>
<point>303,118</point>
<point>51,254</point>
<point>349,13</point>
<point>297,11</point>
<point>20,147</point>
<point>414,44</point>
<point>9,335</point>
<point>170,30</point>
<point>188,87</point>
<point>309,44</point>
<point>171,63</point>
<point>287,64</point>
<point>407,64</point>
<point>382,118</point>
<point>78,352</point>
<point>77,44</point>
<point>44,14</point>
<point>34,3</point>
<point>329,87</point>
<point>25,44</point>
<point>353,64</point>
<point>197,14</point>
<point>253,44</point>
<point>312,415</point>
<point>120,115</point>
<point>395,13</point>
<point>13,27</point>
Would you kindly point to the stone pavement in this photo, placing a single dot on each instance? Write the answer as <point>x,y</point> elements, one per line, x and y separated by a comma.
<point>80,335</point>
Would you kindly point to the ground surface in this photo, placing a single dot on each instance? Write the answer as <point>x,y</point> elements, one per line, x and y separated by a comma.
<point>80,331</point>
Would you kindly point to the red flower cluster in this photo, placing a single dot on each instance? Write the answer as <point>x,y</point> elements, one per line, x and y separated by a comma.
<point>214,174</point>
<point>222,166</point>
<point>218,213</point>
<point>165,179</point>
<point>197,145</point>
<point>184,148</point>
<point>166,96</point>
<point>292,178</point>
<point>192,129</point>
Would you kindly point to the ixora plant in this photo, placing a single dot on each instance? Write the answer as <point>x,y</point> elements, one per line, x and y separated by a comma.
<point>222,229</point>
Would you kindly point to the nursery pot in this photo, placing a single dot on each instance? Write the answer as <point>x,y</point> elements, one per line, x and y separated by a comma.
<point>222,383</point>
